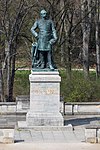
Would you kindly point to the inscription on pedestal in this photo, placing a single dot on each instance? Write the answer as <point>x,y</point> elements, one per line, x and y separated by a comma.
<point>44,91</point>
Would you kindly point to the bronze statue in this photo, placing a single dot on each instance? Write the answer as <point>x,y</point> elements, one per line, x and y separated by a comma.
<point>46,37</point>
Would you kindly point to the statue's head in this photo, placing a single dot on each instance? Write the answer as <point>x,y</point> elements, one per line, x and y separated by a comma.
<point>43,13</point>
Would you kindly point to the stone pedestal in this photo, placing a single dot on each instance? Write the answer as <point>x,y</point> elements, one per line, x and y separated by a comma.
<point>44,99</point>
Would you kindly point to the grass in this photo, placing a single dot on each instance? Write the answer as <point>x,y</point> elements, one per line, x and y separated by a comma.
<point>21,83</point>
<point>77,89</point>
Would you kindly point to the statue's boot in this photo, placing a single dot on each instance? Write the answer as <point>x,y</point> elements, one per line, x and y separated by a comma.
<point>51,67</point>
<point>49,60</point>
<point>42,66</point>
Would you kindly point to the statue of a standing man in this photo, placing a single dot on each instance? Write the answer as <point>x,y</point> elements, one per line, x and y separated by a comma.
<point>46,37</point>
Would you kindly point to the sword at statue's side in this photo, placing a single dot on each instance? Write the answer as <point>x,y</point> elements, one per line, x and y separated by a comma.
<point>34,52</point>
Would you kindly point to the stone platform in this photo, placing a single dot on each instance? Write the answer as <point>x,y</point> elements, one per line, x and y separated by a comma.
<point>44,99</point>
<point>44,119</point>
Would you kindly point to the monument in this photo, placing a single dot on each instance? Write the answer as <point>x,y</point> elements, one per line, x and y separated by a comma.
<point>44,78</point>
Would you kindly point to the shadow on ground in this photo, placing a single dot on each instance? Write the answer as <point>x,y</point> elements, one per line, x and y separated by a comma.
<point>18,141</point>
<point>81,121</point>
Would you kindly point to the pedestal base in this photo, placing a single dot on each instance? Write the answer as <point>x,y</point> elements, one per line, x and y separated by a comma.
<point>44,99</point>
<point>44,119</point>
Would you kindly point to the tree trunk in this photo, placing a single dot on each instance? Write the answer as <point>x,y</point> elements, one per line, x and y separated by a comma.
<point>67,54</point>
<point>61,31</point>
<point>68,57</point>
<point>8,67</point>
<point>1,86</point>
<point>85,54</point>
<point>12,79</point>
<point>85,6</point>
<point>97,38</point>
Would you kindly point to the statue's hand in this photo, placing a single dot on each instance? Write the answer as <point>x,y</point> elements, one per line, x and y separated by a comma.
<point>52,41</point>
<point>36,35</point>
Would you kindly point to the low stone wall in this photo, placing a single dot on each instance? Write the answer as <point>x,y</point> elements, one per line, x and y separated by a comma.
<point>23,102</point>
<point>7,107</point>
<point>7,134</point>
<point>92,134</point>
<point>81,108</point>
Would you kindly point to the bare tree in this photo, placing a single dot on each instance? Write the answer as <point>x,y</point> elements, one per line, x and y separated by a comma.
<point>68,25</point>
<point>12,20</point>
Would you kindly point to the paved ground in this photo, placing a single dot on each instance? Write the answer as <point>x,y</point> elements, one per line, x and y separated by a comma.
<point>70,138</point>
<point>52,135</point>
<point>50,146</point>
